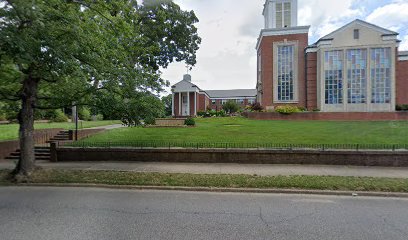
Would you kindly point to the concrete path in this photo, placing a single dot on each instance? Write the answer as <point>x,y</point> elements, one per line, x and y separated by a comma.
<point>223,168</point>
<point>109,127</point>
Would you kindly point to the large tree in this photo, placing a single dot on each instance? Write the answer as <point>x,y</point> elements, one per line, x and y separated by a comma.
<point>56,53</point>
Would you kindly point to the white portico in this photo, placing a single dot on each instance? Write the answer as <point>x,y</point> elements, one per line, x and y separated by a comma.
<point>185,98</point>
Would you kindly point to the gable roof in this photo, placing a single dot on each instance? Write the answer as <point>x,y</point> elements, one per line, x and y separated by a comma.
<point>385,32</point>
<point>185,83</point>
<point>235,93</point>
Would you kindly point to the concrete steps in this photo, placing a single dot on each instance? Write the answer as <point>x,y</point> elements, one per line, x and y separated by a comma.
<point>41,153</point>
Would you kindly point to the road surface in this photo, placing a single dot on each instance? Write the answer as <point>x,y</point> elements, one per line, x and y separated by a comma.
<point>91,213</point>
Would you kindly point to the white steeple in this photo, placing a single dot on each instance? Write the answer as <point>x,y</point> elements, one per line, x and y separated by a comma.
<point>280,13</point>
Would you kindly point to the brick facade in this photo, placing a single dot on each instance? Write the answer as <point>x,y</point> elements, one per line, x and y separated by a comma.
<point>335,116</point>
<point>311,76</point>
<point>402,82</point>
<point>267,61</point>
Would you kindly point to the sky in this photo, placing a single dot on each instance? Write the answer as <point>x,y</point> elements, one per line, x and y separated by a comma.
<point>229,30</point>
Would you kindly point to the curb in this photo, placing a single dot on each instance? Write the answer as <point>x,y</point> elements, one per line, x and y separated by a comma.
<point>224,190</point>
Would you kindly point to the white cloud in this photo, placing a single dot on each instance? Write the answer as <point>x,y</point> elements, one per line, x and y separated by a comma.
<point>404,44</point>
<point>393,16</point>
<point>326,16</point>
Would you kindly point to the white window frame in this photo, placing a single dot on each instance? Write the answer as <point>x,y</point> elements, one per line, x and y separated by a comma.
<point>295,66</point>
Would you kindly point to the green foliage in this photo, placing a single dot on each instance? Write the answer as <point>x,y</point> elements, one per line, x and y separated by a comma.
<point>201,113</point>
<point>150,121</point>
<point>287,109</point>
<point>221,113</point>
<point>402,107</point>
<point>99,117</point>
<point>140,106</point>
<point>230,107</point>
<point>84,113</point>
<point>256,107</point>
<point>75,49</point>
<point>190,121</point>
<point>167,101</point>
<point>59,116</point>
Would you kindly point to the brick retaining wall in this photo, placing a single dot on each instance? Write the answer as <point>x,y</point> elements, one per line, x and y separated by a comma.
<point>338,116</point>
<point>41,136</point>
<point>246,156</point>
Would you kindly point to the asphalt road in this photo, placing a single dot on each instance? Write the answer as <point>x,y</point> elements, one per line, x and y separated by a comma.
<point>87,213</point>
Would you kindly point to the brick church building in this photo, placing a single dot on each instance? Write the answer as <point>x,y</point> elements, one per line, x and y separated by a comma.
<point>357,68</point>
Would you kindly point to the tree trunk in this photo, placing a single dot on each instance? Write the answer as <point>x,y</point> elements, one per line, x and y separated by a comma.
<point>26,163</point>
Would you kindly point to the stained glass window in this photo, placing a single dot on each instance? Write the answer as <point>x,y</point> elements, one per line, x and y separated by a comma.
<point>333,69</point>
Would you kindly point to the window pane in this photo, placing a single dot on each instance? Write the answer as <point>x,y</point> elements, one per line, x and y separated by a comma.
<point>380,68</point>
<point>285,69</point>
<point>356,63</point>
<point>333,69</point>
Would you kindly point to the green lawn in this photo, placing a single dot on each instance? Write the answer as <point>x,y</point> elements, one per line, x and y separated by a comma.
<point>214,180</point>
<point>10,131</point>
<point>242,130</point>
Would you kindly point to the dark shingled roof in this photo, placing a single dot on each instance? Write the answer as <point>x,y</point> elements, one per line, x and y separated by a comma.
<point>236,93</point>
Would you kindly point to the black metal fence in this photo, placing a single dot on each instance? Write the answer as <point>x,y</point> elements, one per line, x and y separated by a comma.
<point>232,145</point>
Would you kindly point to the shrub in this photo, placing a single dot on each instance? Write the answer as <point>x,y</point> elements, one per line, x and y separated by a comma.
<point>404,107</point>
<point>59,116</point>
<point>189,121</point>
<point>256,107</point>
<point>201,114</point>
<point>230,107</point>
<point>3,117</point>
<point>99,117</point>
<point>150,121</point>
<point>221,113</point>
<point>287,109</point>
<point>84,114</point>
<point>212,113</point>
<point>316,110</point>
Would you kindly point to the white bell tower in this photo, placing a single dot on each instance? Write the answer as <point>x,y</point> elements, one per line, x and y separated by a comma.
<point>280,14</point>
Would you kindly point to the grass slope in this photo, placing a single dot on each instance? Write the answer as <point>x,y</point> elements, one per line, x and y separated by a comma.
<point>10,131</point>
<point>242,130</point>
<point>216,180</point>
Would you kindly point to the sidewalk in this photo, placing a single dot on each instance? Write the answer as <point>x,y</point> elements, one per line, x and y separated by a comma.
<point>222,168</point>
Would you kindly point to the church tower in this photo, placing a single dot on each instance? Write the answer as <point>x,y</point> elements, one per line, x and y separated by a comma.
<point>281,58</point>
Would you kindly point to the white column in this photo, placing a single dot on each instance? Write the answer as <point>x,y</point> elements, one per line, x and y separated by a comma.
<point>172,104</point>
<point>179,111</point>
<point>188,103</point>
<point>195,103</point>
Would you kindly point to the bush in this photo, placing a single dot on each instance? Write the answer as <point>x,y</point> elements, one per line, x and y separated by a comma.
<point>3,117</point>
<point>212,113</point>
<point>59,116</point>
<point>84,114</point>
<point>189,122</point>
<point>230,107</point>
<point>221,113</point>
<point>99,117</point>
<point>201,114</point>
<point>287,109</point>
<point>256,107</point>
<point>316,110</point>
<point>150,121</point>
<point>403,107</point>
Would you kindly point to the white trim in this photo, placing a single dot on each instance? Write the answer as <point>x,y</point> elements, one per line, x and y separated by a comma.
<point>195,103</point>
<point>188,103</point>
<point>180,100</point>
<point>233,98</point>
<point>280,32</point>
<point>172,104</point>
<point>311,50</point>
<point>295,70</point>
<point>403,58</point>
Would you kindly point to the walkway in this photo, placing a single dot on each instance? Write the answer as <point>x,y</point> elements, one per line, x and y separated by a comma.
<point>222,168</point>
